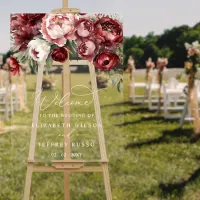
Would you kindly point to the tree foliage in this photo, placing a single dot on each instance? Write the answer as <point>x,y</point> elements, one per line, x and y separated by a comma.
<point>170,44</point>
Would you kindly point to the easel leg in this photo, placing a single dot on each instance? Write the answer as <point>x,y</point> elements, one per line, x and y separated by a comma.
<point>100,132</point>
<point>33,134</point>
<point>107,181</point>
<point>66,82</point>
<point>67,185</point>
<point>27,188</point>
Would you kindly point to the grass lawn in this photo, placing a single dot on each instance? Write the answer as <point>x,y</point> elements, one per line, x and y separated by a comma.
<point>149,159</point>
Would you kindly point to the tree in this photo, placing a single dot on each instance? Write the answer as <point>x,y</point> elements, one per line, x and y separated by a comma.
<point>152,51</point>
<point>170,44</point>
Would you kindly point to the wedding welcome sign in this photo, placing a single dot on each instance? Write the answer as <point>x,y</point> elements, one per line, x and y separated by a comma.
<point>67,129</point>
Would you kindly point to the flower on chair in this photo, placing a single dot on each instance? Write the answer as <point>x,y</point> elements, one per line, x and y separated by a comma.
<point>162,63</point>
<point>150,64</point>
<point>193,49</point>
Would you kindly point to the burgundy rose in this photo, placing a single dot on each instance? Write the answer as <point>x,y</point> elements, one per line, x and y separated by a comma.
<point>23,36</point>
<point>59,54</point>
<point>108,31</point>
<point>24,28</point>
<point>106,61</point>
<point>15,22</point>
<point>14,66</point>
<point>19,20</point>
<point>32,19</point>
<point>85,27</point>
<point>86,49</point>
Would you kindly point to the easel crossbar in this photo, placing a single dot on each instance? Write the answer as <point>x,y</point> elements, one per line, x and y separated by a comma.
<point>72,62</point>
<point>82,169</point>
<point>68,161</point>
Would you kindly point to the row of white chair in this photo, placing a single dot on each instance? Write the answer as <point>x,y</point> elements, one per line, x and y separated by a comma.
<point>9,96</point>
<point>173,96</point>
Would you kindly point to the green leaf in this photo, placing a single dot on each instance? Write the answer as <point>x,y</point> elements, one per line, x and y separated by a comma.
<point>111,72</point>
<point>114,81</point>
<point>33,65</point>
<point>120,71</point>
<point>120,86</point>
<point>72,45</point>
<point>49,62</point>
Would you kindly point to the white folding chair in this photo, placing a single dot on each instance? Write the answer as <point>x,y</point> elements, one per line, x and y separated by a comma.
<point>19,92</point>
<point>153,92</point>
<point>6,103</point>
<point>138,98</point>
<point>173,99</point>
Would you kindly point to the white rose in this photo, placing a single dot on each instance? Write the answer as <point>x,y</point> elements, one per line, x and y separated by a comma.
<point>39,50</point>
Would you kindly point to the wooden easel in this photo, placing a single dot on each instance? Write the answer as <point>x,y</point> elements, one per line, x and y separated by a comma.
<point>68,165</point>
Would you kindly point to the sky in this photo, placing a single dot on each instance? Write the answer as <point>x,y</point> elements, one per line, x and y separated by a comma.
<point>140,16</point>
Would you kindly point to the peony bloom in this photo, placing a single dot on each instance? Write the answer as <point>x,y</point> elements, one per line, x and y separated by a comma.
<point>59,54</point>
<point>32,19</point>
<point>108,32</point>
<point>24,28</point>
<point>14,66</point>
<point>15,22</point>
<point>23,36</point>
<point>85,27</point>
<point>58,28</point>
<point>19,20</point>
<point>106,61</point>
<point>39,50</point>
<point>86,49</point>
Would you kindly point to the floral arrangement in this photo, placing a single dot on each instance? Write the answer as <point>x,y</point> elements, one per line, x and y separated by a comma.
<point>44,38</point>
<point>150,64</point>
<point>193,51</point>
<point>162,63</point>
<point>191,68</point>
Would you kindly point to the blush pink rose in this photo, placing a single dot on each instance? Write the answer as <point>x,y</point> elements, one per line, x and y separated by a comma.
<point>58,28</point>
<point>106,61</point>
<point>108,32</point>
<point>85,27</point>
<point>86,49</point>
